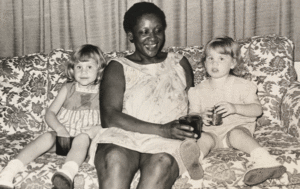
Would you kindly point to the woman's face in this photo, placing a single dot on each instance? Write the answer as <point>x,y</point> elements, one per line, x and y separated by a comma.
<point>148,35</point>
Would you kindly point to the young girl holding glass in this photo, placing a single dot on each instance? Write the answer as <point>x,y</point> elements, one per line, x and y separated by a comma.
<point>236,100</point>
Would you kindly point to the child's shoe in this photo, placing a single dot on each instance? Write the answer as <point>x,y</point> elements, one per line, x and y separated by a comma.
<point>265,167</point>
<point>62,180</point>
<point>190,153</point>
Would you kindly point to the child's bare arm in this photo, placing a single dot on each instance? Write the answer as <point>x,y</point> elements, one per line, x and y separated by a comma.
<point>51,112</point>
<point>250,105</point>
<point>249,110</point>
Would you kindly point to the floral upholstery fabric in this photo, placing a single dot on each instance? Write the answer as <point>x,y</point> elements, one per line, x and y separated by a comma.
<point>290,111</point>
<point>58,60</point>
<point>23,82</point>
<point>267,61</point>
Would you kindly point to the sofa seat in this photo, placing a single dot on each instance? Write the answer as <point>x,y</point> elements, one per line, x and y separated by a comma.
<point>223,167</point>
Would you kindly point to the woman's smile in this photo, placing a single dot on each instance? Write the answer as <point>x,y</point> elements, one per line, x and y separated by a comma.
<point>150,47</point>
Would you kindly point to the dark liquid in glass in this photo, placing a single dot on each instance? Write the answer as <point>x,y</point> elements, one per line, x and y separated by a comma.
<point>193,121</point>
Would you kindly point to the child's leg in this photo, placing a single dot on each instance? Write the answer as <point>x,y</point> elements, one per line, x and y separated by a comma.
<point>206,143</point>
<point>265,167</point>
<point>192,152</point>
<point>42,144</point>
<point>63,178</point>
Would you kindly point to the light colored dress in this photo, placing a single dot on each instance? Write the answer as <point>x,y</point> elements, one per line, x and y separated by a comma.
<point>80,112</point>
<point>154,93</point>
<point>236,91</point>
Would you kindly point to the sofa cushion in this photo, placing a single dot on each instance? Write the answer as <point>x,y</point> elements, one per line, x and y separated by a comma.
<point>22,94</point>
<point>290,111</point>
<point>58,60</point>
<point>268,61</point>
<point>223,168</point>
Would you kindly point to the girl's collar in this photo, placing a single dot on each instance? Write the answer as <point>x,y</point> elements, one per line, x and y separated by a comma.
<point>227,83</point>
<point>89,89</point>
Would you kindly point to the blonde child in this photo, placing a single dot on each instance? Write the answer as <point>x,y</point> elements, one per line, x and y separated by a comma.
<point>236,99</point>
<point>69,115</point>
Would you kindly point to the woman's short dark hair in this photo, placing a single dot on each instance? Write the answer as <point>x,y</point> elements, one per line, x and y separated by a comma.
<point>140,9</point>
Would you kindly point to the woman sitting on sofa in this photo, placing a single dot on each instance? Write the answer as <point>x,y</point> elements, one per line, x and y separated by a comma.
<point>142,97</point>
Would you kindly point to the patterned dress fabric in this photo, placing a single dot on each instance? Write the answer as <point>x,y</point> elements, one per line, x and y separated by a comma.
<point>80,112</point>
<point>154,93</point>
<point>237,91</point>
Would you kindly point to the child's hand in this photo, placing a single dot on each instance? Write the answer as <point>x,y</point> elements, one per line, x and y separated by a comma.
<point>92,131</point>
<point>225,108</point>
<point>207,116</point>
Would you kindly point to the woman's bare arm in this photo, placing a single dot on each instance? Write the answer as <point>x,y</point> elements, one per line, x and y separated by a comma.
<point>188,73</point>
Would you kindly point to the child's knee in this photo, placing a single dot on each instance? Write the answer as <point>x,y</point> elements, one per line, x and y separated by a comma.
<point>238,134</point>
<point>83,136</point>
<point>82,139</point>
<point>50,136</point>
<point>208,140</point>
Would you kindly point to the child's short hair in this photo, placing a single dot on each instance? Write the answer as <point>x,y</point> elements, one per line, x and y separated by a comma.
<point>139,9</point>
<point>82,54</point>
<point>224,45</point>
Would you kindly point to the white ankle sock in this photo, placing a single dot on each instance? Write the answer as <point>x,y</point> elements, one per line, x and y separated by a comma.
<point>262,156</point>
<point>71,167</point>
<point>259,152</point>
<point>11,169</point>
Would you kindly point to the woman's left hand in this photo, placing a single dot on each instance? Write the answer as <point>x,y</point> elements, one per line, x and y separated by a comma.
<point>225,108</point>
<point>175,130</point>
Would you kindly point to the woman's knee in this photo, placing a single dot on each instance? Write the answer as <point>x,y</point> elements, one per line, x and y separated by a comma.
<point>163,163</point>
<point>207,140</point>
<point>114,158</point>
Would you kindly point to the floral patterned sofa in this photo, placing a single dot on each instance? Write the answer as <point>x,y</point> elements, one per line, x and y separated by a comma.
<point>29,83</point>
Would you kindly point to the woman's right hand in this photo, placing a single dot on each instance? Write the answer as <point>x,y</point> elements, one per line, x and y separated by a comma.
<point>175,130</point>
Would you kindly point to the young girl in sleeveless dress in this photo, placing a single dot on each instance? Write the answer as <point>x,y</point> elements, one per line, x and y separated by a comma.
<point>74,114</point>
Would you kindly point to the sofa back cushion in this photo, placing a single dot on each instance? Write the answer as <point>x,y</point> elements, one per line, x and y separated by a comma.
<point>23,86</point>
<point>58,60</point>
<point>269,63</point>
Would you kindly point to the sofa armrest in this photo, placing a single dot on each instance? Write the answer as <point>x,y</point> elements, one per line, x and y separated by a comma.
<point>290,110</point>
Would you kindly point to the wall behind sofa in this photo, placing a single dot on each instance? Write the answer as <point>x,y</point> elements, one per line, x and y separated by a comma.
<point>30,26</point>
